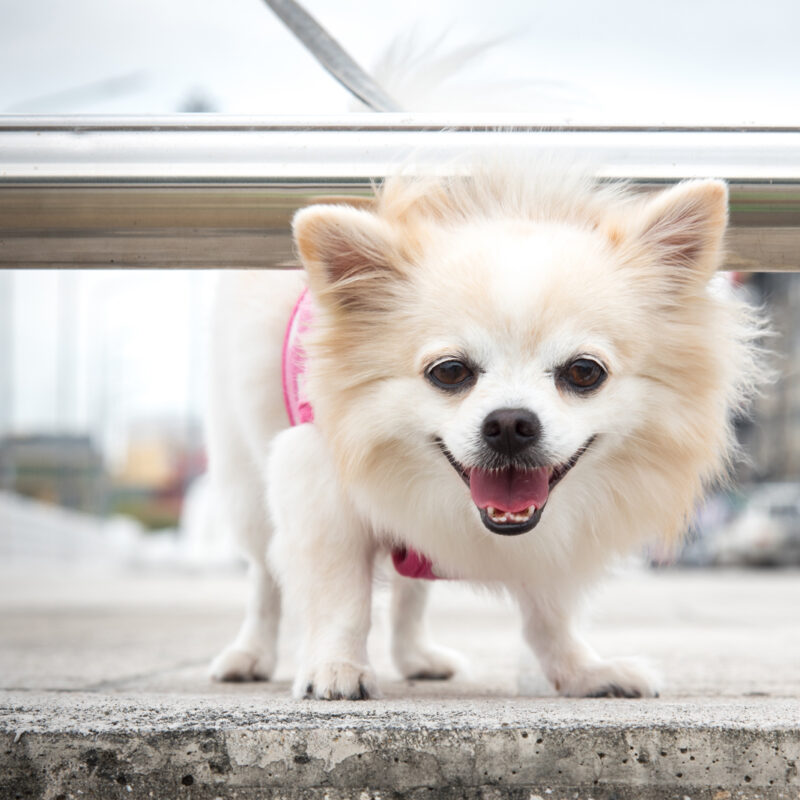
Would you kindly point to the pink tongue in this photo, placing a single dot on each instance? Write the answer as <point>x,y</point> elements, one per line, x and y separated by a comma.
<point>510,489</point>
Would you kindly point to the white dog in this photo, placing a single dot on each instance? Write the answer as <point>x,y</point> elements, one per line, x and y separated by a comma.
<point>514,377</point>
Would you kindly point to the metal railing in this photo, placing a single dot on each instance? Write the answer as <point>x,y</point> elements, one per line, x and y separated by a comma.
<point>216,192</point>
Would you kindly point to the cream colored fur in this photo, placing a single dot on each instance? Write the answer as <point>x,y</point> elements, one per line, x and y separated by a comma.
<point>521,268</point>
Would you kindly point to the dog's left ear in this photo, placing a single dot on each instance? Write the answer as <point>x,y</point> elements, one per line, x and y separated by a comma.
<point>683,228</point>
<point>351,255</point>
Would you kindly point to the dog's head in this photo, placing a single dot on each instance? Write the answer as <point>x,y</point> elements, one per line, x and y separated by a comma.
<point>507,340</point>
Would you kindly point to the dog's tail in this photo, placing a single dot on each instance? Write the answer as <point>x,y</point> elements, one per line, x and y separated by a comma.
<point>436,76</point>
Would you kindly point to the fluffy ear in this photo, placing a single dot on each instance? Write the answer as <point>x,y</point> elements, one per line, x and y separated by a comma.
<point>683,228</point>
<point>350,255</point>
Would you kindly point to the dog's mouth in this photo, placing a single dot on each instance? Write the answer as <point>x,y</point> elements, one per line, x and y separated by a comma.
<point>511,500</point>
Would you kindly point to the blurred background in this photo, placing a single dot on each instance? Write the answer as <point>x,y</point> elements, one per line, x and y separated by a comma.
<point>102,373</point>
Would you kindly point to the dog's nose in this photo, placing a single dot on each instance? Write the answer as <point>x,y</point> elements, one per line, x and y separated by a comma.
<point>511,430</point>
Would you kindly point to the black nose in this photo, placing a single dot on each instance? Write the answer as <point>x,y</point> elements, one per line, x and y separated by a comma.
<point>511,430</point>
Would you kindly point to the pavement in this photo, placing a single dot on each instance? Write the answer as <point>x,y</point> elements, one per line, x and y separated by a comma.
<point>104,694</point>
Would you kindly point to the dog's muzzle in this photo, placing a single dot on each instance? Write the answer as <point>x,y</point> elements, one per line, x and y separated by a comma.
<point>511,499</point>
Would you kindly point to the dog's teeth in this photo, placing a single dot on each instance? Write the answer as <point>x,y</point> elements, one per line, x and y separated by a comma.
<point>497,515</point>
<point>523,516</point>
<point>504,517</point>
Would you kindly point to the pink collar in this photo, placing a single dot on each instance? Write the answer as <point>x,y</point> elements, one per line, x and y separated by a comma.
<point>406,561</point>
<point>293,362</point>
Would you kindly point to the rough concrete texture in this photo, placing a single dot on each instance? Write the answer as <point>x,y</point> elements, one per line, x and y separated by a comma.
<point>104,695</point>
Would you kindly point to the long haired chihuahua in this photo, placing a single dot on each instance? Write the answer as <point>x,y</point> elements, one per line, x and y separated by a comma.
<point>510,378</point>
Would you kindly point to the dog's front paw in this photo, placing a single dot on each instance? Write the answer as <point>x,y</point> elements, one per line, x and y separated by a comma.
<point>427,662</point>
<point>620,677</point>
<point>235,664</point>
<point>336,680</point>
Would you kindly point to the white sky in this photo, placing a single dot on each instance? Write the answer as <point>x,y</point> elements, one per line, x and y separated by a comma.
<point>93,350</point>
<point>723,61</point>
<point>624,61</point>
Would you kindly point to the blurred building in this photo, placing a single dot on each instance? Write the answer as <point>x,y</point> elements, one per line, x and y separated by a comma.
<point>162,457</point>
<point>772,438</point>
<point>65,470</point>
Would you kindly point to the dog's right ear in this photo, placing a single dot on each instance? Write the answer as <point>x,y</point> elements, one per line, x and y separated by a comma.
<point>350,255</point>
<point>683,228</point>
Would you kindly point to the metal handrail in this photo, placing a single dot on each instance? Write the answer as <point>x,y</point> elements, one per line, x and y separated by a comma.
<point>219,192</point>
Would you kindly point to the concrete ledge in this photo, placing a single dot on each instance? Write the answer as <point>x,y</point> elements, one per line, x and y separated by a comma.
<point>104,695</point>
<point>122,747</point>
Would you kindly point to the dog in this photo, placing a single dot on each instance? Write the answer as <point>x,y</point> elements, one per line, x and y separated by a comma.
<point>510,376</point>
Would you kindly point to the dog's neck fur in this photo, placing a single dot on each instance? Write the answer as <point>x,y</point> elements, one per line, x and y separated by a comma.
<point>407,562</point>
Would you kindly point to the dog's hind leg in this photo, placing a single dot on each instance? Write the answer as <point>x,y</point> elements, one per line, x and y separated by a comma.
<point>414,655</point>
<point>251,655</point>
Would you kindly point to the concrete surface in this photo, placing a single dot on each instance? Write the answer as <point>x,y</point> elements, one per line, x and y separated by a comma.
<point>103,694</point>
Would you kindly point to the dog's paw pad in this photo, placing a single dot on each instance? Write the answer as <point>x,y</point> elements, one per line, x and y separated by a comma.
<point>338,681</point>
<point>613,690</point>
<point>233,664</point>
<point>429,663</point>
<point>622,677</point>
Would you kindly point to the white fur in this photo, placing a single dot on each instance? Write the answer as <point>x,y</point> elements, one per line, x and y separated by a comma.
<point>522,280</point>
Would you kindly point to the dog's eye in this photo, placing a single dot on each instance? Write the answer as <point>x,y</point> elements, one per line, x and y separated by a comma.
<point>582,375</point>
<point>450,375</point>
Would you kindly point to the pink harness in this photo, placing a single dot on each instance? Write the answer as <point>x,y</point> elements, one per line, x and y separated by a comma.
<point>406,561</point>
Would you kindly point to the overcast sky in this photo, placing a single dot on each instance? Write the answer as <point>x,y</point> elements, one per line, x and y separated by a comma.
<point>723,61</point>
